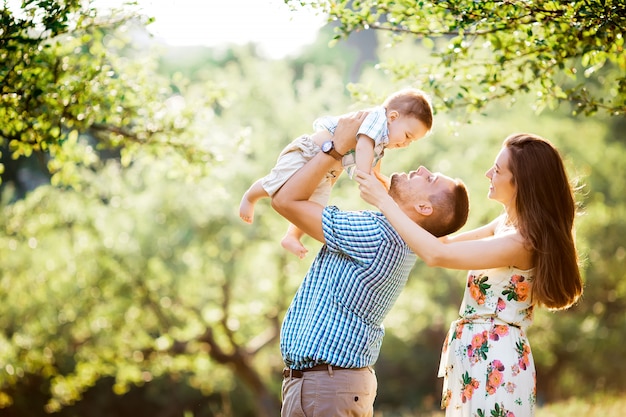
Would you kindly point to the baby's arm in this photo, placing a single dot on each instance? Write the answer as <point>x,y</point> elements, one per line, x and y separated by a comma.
<point>364,153</point>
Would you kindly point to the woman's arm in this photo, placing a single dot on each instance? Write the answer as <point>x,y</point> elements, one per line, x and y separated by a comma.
<point>384,180</point>
<point>478,233</point>
<point>485,252</point>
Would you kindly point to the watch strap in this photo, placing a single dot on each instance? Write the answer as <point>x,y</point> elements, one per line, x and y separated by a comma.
<point>333,152</point>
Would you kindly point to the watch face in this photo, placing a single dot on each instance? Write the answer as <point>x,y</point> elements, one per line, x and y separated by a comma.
<point>327,146</point>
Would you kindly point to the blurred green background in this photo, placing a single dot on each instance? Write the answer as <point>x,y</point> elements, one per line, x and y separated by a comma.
<point>130,287</point>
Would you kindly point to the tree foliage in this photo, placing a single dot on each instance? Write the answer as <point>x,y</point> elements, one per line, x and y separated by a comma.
<point>482,51</point>
<point>69,70</point>
<point>142,274</point>
<point>147,273</point>
<point>107,297</point>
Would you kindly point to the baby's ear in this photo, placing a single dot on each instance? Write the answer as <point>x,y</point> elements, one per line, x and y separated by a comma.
<point>392,115</point>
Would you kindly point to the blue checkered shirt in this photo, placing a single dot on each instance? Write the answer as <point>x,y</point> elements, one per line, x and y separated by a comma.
<point>337,313</point>
<point>374,126</point>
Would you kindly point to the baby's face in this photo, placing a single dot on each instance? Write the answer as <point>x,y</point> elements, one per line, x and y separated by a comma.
<point>403,130</point>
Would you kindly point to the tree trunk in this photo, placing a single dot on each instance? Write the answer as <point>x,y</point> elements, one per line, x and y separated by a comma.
<point>267,404</point>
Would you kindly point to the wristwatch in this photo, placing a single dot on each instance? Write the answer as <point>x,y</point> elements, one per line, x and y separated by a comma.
<point>328,147</point>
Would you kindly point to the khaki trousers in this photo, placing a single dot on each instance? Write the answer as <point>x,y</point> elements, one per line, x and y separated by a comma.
<point>332,393</point>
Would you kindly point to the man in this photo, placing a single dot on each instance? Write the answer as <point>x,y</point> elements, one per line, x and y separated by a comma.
<point>332,332</point>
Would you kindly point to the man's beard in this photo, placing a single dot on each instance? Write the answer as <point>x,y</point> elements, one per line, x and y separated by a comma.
<point>393,184</point>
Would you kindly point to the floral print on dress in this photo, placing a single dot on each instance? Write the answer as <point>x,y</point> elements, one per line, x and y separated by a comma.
<point>469,385</point>
<point>494,376</point>
<point>486,361</point>
<point>479,347</point>
<point>518,289</point>
<point>498,411</point>
<point>528,314</point>
<point>478,287</point>
<point>497,331</point>
<point>523,352</point>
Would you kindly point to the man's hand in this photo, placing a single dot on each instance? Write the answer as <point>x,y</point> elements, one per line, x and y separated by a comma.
<point>292,200</point>
<point>372,189</point>
<point>345,134</point>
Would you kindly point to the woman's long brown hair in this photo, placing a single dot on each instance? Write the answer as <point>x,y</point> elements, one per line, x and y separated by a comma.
<point>545,218</point>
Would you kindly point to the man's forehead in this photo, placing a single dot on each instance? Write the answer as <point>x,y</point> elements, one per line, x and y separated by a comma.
<point>446,181</point>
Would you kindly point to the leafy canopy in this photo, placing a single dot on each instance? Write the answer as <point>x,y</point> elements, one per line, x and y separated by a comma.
<point>487,50</point>
<point>71,75</point>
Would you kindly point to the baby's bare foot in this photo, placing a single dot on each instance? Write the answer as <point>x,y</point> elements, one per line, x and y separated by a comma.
<point>246,210</point>
<point>293,245</point>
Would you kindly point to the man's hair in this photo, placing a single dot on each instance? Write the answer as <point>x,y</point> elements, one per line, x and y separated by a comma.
<point>450,210</point>
<point>411,102</point>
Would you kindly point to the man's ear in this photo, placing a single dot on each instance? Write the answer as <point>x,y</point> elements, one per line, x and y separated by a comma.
<point>425,208</point>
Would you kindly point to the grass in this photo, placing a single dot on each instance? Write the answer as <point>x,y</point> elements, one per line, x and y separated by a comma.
<point>597,406</point>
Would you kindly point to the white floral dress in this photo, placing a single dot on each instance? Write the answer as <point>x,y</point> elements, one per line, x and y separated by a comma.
<point>486,361</point>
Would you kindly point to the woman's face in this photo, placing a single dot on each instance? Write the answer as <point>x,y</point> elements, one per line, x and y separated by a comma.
<point>502,188</point>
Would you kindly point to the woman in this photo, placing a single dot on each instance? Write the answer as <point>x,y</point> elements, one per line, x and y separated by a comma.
<point>524,258</point>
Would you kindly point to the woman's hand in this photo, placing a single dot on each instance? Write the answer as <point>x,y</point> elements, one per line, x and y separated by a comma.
<point>372,189</point>
<point>345,133</point>
<point>384,180</point>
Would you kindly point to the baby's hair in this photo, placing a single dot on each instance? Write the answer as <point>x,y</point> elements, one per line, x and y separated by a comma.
<point>411,102</point>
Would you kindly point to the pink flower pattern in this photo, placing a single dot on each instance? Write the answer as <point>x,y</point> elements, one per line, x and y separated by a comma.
<point>487,362</point>
<point>478,287</point>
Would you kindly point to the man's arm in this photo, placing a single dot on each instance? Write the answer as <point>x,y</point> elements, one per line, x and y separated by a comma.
<point>292,200</point>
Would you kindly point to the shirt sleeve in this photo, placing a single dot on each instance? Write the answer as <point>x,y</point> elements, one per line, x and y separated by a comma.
<point>375,126</point>
<point>326,123</point>
<point>356,234</point>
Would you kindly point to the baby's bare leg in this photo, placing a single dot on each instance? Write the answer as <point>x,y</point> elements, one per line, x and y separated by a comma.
<point>291,242</point>
<point>249,199</point>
